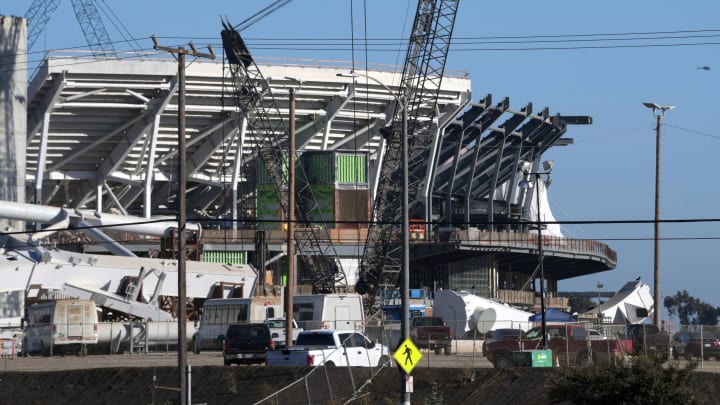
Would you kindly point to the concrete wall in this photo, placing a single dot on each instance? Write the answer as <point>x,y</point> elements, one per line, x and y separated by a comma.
<point>13,111</point>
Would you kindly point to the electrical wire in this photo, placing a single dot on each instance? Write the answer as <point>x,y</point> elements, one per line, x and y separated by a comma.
<point>526,38</point>
<point>344,44</point>
<point>118,24</point>
<point>692,131</point>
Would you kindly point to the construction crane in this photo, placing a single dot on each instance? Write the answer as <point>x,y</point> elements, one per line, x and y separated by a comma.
<point>252,96</point>
<point>96,36</point>
<point>421,78</point>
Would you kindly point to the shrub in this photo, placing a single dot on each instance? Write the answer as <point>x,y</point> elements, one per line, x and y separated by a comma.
<point>436,397</point>
<point>646,381</point>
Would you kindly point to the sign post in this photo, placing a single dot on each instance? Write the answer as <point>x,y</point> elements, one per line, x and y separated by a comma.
<point>407,357</point>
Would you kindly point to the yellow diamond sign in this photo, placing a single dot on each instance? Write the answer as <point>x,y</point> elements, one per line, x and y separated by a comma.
<point>407,355</point>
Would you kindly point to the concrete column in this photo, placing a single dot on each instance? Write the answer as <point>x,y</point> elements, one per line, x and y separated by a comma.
<point>13,123</point>
<point>13,112</point>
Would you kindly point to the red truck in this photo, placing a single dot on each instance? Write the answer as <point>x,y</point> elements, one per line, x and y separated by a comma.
<point>571,345</point>
<point>431,332</point>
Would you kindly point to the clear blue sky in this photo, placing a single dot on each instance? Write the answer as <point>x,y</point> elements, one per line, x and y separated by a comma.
<point>608,173</point>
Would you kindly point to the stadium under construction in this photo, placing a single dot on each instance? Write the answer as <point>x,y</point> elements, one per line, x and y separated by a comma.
<point>89,138</point>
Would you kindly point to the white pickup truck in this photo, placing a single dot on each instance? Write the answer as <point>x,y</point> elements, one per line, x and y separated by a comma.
<point>329,347</point>
<point>277,331</point>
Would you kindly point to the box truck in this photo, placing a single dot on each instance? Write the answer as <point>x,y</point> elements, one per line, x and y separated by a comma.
<point>219,313</point>
<point>60,326</point>
<point>329,311</point>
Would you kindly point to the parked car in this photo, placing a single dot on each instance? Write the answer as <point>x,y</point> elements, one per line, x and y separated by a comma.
<point>246,343</point>
<point>589,334</point>
<point>648,339</point>
<point>694,344</point>
<point>501,334</point>
<point>596,335</point>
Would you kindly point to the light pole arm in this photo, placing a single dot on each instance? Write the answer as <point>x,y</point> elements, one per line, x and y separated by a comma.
<point>378,82</point>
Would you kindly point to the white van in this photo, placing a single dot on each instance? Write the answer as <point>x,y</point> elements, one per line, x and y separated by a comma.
<point>219,313</point>
<point>60,325</point>
<point>329,311</point>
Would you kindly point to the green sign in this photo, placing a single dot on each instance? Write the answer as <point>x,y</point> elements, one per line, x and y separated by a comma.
<point>542,358</point>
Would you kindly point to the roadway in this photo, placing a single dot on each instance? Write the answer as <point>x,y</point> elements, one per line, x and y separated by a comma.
<point>58,363</point>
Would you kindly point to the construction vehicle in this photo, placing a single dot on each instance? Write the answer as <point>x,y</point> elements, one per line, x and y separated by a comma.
<point>252,96</point>
<point>421,78</point>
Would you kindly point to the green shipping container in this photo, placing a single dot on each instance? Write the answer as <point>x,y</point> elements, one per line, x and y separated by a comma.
<point>352,169</point>
<point>263,175</point>
<point>268,211</point>
<point>319,167</point>
<point>339,168</point>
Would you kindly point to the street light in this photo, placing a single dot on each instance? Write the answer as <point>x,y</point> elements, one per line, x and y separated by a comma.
<point>381,84</point>
<point>405,226</point>
<point>659,112</point>
<point>526,185</point>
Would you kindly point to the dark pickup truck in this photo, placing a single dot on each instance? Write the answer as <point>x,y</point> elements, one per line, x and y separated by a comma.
<point>648,339</point>
<point>571,345</point>
<point>246,343</point>
<point>430,332</point>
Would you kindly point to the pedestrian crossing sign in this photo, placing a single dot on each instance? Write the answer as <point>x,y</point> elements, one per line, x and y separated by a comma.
<point>407,355</point>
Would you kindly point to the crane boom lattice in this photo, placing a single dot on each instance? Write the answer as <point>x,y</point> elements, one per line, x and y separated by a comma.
<point>38,15</point>
<point>252,96</point>
<point>422,75</point>
<point>96,36</point>
<point>93,28</point>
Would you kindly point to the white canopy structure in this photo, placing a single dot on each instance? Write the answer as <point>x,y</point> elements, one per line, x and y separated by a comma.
<point>465,312</point>
<point>633,303</point>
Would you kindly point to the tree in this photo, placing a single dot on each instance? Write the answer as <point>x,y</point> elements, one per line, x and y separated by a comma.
<point>690,310</point>
<point>580,304</point>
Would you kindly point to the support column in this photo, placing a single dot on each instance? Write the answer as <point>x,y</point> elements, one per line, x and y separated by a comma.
<point>150,169</point>
<point>13,111</point>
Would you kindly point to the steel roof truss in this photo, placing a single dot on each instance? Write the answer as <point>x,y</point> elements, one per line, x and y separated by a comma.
<point>507,128</point>
<point>305,133</point>
<point>125,145</point>
<point>35,119</point>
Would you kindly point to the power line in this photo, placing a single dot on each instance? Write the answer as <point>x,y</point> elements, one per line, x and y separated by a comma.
<point>693,131</point>
<point>492,37</point>
<point>76,62</point>
<point>347,44</point>
<point>343,49</point>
